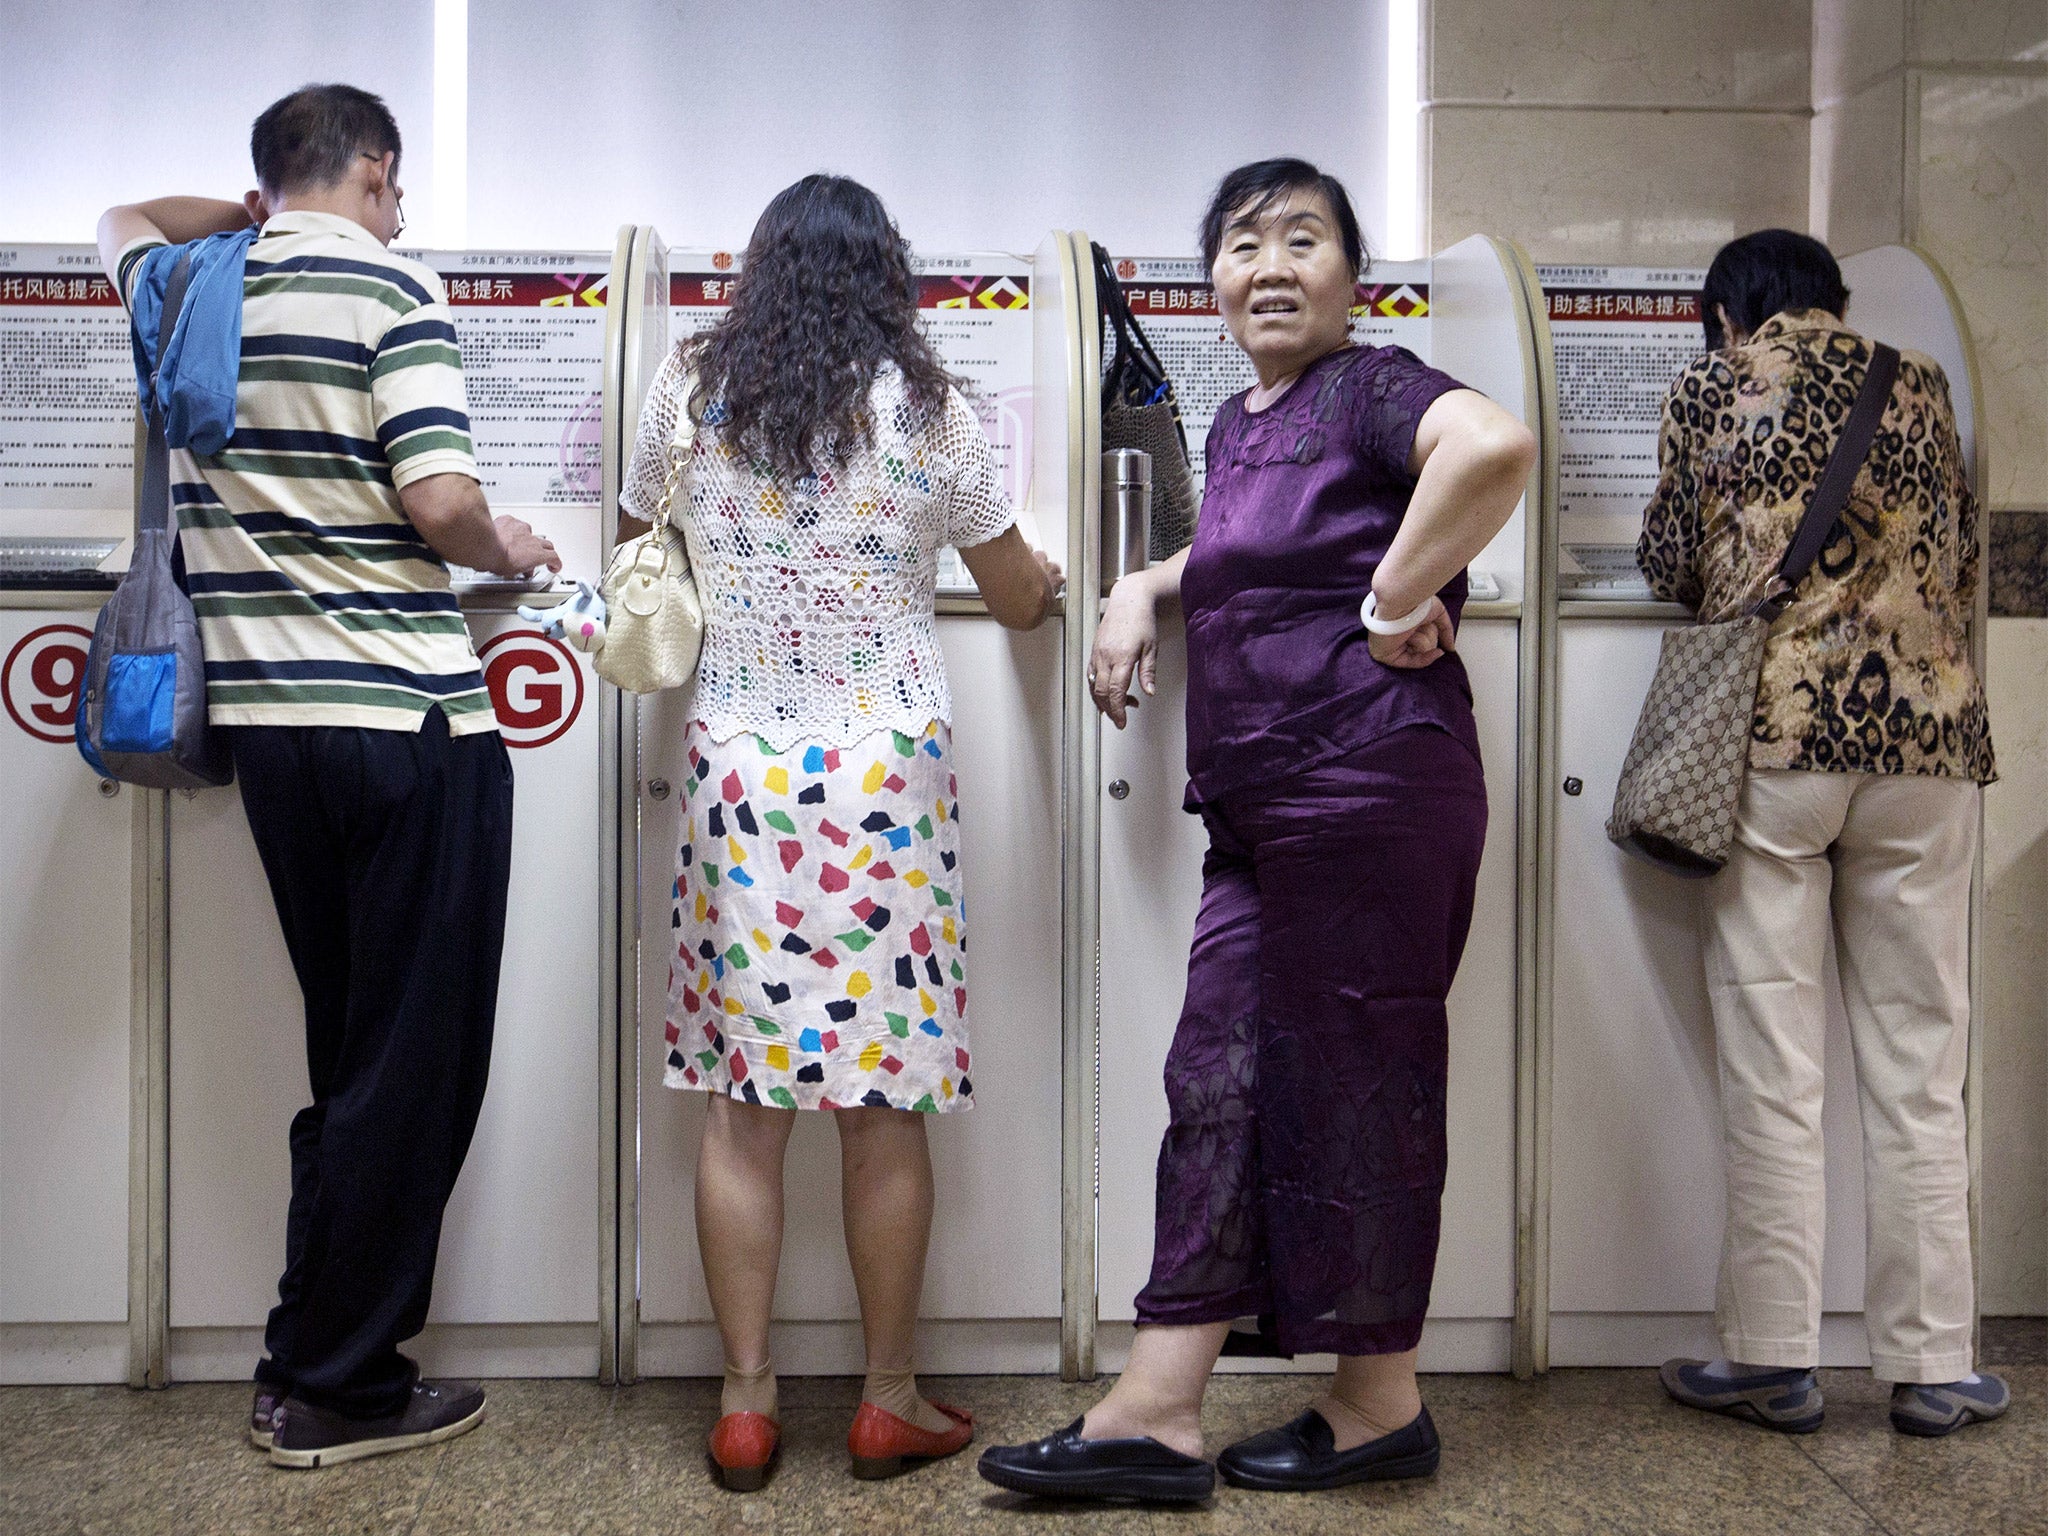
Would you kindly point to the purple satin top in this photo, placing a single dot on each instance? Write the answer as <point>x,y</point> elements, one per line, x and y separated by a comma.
<point>1302,501</point>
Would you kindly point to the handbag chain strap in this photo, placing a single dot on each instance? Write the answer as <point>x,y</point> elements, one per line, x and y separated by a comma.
<point>1831,494</point>
<point>682,444</point>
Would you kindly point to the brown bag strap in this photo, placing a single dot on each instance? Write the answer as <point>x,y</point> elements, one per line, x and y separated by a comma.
<point>1831,495</point>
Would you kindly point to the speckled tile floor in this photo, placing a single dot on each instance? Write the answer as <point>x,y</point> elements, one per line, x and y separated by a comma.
<point>1579,1451</point>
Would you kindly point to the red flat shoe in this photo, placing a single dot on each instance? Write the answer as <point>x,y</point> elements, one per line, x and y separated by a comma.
<point>880,1443</point>
<point>742,1446</point>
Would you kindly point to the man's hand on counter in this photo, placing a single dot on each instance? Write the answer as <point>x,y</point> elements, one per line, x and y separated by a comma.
<point>452,516</point>
<point>525,550</point>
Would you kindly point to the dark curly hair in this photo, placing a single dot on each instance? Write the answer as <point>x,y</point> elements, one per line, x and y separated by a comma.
<point>825,297</point>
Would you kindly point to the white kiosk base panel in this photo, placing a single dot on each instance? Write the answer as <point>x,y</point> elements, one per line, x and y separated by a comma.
<point>1151,888</point>
<point>64,1023</point>
<point>2014,1226</point>
<point>992,1281</point>
<point>1450,1346</point>
<point>1637,1195</point>
<point>516,1288</point>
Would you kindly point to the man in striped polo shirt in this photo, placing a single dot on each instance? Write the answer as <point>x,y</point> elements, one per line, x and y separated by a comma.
<point>316,545</point>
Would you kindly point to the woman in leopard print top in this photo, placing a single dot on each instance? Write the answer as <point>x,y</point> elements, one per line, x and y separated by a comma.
<point>1869,669</point>
<point>1859,819</point>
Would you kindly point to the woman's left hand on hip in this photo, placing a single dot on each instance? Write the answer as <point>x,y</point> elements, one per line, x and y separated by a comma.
<point>1426,643</point>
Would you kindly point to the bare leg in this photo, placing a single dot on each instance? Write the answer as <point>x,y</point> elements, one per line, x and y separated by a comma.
<point>1371,1396</point>
<point>1160,1391</point>
<point>886,1200</point>
<point>739,1237</point>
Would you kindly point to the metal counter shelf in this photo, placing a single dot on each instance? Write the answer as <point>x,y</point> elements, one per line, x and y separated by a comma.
<point>1602,608</point>
<point>32,593</point>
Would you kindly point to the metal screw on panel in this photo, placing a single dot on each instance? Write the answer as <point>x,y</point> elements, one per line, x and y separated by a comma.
<point>1119,790</point>
<point>1573,786</point>
<point>658,788</point>
<point>109,788</point>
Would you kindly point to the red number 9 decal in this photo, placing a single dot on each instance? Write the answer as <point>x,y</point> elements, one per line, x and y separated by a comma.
<point>50,662</point>
<point>41,680</point>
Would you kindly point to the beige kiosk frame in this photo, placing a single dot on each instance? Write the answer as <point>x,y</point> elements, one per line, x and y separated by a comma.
<point>1900,288</point>
<point>1899,294</point>
<point>1486,327</point>
<point>1066,480</point>
<point>636,344</point>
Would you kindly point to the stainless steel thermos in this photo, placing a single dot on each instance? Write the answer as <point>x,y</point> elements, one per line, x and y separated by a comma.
<point>1126,513</point>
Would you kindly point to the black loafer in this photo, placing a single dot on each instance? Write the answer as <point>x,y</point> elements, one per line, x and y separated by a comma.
<point>1303,1456</point>
<point>1064,1466</point>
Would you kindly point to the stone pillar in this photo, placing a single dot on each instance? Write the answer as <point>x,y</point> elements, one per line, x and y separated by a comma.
<point>1613,131</point>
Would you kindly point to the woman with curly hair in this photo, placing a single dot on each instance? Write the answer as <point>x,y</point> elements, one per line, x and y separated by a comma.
<point>819,926</point>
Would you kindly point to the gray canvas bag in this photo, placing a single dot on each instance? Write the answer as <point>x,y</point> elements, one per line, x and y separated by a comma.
<point>142,713</point>
<point>1682,779</point>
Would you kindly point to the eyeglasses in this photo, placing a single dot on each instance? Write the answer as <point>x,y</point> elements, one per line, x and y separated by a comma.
<point>398,196</point>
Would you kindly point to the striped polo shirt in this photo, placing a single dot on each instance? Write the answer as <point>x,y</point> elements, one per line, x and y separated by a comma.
<point>319,603</point>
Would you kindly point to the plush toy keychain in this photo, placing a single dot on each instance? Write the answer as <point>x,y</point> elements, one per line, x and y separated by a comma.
<point>578,621</point>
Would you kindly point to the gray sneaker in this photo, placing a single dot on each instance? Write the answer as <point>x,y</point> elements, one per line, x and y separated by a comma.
<point>307,1436</point>
<point>1942,1408</point>
<point>1787,1401</point>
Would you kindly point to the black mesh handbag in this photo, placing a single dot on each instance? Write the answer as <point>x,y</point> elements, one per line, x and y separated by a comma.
<point>1139,411</point>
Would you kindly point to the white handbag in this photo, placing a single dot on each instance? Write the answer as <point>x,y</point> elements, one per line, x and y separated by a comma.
<point>654,629</point>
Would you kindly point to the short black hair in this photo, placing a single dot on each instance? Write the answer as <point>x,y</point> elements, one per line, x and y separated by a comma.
<point>310,138</point>
<point>1765,274</point>
<point>1262,184</point>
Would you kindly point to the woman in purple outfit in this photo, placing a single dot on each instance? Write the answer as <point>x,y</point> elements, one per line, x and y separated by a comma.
<point>1333,756</point>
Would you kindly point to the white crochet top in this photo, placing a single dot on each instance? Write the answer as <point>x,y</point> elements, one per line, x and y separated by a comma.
<point>818,594</point>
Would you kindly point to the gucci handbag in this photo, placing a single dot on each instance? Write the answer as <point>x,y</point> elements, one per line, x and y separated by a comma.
<point>1682,779</point>
<point>654,624</point>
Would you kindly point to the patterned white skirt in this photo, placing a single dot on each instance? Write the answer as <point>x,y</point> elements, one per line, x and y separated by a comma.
<point>820,936</point>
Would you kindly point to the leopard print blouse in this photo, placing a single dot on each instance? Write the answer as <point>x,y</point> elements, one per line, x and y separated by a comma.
<point>1868,670</point>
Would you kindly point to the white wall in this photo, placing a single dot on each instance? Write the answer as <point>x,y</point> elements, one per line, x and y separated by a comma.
<point>982,124</point>
<point>113,101</point>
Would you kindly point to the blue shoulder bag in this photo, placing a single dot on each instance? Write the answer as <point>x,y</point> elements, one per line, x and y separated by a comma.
<point>142,712</point>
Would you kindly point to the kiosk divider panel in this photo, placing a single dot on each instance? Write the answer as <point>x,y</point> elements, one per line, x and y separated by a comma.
<point>997,1167</point>
<point>1152,852</point>
<point>71,845</point>
<point>1636,1193</point>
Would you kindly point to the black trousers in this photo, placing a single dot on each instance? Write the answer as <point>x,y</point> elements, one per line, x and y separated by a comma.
<point>387,855</point>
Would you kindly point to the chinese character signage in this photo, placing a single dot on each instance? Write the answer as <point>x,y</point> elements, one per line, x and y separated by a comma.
<point>67,384</point>
<point>976,312</point>
<point>1174,305</point>
<point>1620,335</point>
<point>531,328</point>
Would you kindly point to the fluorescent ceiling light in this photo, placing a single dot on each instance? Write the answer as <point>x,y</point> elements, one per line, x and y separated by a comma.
<point>450,230</point>
<point>1404,164</point>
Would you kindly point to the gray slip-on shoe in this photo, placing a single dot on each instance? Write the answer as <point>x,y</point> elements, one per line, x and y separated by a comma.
<point>308,1436</point>
<point>1941,1408</point>
<point>1788,1401</point>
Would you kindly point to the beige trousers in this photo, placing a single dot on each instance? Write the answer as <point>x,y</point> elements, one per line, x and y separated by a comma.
<point>1887,859</point>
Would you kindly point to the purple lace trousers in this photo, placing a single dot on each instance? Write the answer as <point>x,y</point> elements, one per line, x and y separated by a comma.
<point>1303,1167</point>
